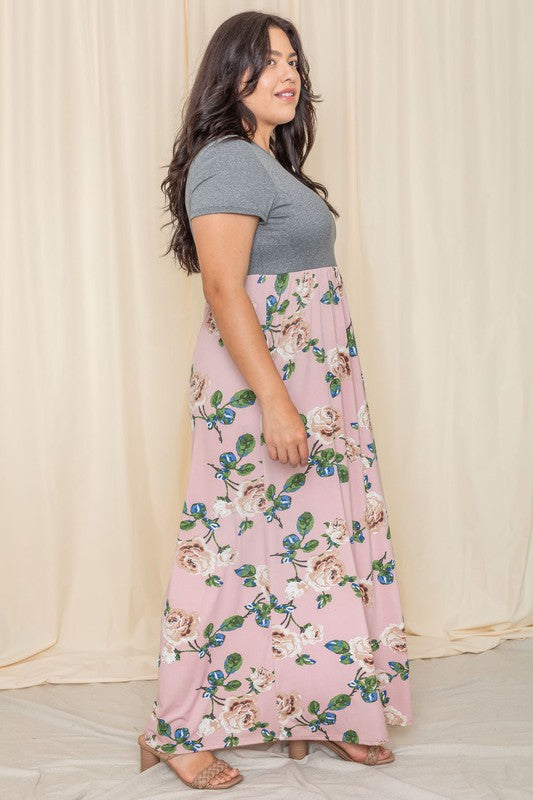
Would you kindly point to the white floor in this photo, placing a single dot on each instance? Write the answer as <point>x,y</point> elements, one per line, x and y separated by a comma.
<point>472,738</point>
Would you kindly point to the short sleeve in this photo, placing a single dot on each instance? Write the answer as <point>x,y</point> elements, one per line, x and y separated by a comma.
<point>227,176</point>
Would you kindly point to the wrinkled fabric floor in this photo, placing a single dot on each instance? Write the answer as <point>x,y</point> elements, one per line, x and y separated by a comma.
<point>472,737</point>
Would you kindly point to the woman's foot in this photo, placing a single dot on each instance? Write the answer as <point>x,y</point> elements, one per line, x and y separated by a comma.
<point>188,765</point>
<point>358,751</point>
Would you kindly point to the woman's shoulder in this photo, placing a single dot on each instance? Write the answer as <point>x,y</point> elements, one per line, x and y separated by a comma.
<point>225,151</point>
<point>226,175</point>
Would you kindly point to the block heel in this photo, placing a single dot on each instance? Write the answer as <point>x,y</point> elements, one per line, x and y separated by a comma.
<point>150,757</point>
<point>371,759</point>
<point>298,749</point>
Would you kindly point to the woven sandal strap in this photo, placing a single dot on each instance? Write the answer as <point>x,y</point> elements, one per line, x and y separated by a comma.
<point>202,779</point>
<point>373,754</point>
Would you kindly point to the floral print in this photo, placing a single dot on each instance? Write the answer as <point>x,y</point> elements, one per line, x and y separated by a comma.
<point>282,617</point>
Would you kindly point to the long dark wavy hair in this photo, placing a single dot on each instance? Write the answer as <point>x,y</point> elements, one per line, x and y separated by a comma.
<point>214,108</point>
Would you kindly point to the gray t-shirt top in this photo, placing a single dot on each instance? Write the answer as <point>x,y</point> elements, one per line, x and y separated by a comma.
<point>296,229</point>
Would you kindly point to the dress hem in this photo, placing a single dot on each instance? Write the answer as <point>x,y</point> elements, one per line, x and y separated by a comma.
<point>260,740</point>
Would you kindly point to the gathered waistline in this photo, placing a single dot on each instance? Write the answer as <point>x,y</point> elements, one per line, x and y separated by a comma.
<point>288,271</point>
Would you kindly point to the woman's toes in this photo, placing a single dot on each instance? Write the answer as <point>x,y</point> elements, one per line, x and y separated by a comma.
<point>228,776</point>
<point>233,772</point>
<point>225,775</point>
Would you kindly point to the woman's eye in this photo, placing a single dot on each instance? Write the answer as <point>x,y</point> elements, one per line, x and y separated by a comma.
<point>290,62</point>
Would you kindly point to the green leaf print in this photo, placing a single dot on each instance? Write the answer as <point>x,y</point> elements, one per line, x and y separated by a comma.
<point>304,659</point>
<point>163,728</point>
<point>369,683</point>
<point>334,384</point>
<point>246,571</point>
<point>168,748</point>
<point>250,582</point>
<point>313,707</point>
<point>305,523</point>
<point>338,646</point>
<point>245,444</point>
<point>242,398</point>
<point>244,526</point>
<point>350,736</point>
<point>216,398</point>
<point>328,297</point>
<point>232,623</point>
<point>232,663</point>
<point>288,370</point>
<point>350,339</point>
<point>231,686</point>
<point>282,281</point>
<point>295,482</point>
<point>304,420</point>
<point>346,659</point>
<point>245,469</point>
<point>312,544</point>
<point>323,598</point>
<point>223,414</point>
<point>331,296</point>
<point>339,701</point>
<point>401,669</point>
<point>343,473</point>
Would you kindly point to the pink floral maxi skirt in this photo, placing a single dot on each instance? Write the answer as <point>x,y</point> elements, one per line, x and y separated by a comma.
<point>282,617</point>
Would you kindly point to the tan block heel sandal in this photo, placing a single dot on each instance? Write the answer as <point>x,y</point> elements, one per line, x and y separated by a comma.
<point>299,749</point>
<point>150,757</point>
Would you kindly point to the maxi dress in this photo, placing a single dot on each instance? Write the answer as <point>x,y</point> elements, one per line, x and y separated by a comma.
<point>282,617</point>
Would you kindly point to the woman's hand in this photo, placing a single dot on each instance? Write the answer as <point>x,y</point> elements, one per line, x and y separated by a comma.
<point>284,432</point>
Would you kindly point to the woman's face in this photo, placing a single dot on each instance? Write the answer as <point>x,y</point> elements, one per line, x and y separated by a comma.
<point>280,74</point>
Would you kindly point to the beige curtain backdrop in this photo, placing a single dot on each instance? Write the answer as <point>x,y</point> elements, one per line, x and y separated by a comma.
<point>424,142</point>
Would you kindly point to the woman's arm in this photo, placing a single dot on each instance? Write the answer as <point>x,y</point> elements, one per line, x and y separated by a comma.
<point>223,244</point>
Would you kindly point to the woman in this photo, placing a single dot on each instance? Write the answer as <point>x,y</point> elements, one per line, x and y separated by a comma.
<point>282,617</point>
